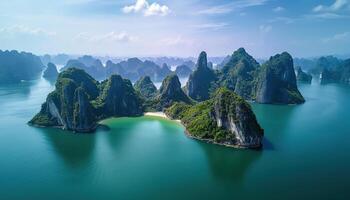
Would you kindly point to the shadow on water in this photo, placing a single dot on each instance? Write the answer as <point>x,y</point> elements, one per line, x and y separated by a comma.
<point>118,132</point>
<point>267,144</point>
<point>275,120</point>
<point>228,164</point>
<point>75,150</point>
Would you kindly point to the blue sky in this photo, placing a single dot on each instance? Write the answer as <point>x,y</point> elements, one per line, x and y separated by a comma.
<point>176,28</point>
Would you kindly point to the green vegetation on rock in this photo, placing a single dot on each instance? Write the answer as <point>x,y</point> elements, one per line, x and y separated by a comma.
<point>146,87</point>
<point>303,77</point>
<point>225,119</point>
<point>170,92</point>
<point>79,101</point>
<point>273,83</point>
<point>19,66</point>
<point>277,82</point>
<point>51,71</point>
<point>200,81</point>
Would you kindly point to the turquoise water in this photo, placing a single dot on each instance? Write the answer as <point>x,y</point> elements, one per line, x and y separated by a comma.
<point>305,156</point>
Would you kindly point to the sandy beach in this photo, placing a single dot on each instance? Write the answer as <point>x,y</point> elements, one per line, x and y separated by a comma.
<point>156,114</point>
<point>159,114</point>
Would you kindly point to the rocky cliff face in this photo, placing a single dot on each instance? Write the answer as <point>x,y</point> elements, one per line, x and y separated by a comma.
<point>163,72</point>
<point>89,64</point>
<point>183,71</point>
<point>303,77</point>
<point>338,74</point>
<point>118,98</point>
<point>225,119</point>
<point>276,83</point>
<point>146,87</point>
<point>238,74</point>
<point>233,114</point>
<point>199,82</point>
<point>68,106</point>
<point>79,101</point>
<point>51,71</point>
<point>171,92</point>
<point>18,66</point>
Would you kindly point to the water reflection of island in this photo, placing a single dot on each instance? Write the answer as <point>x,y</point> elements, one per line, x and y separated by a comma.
<point>227,164</point>
<point>75,150</point>
<point>275,120</point>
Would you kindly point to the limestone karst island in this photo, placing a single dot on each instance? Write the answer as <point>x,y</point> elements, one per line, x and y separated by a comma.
<point>158,99</point>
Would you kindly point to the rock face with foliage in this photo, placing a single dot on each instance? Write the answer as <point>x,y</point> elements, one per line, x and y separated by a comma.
<point>200,81</point>
<point>277,82</point>
<point>272,83</point>
<point>225,119</point>
<point>338,74</point>
<point>92,66</point>
<point>146,87</point>
<point>183,71</point>
<point>51,71</point>
<point>79,101</point>
<point>135,68</point>
<point>303,77</point>
<point>118,98</point>
<point>239,74</point>
<point>19,66</point>
<point>171,92</point>
<point>325,63</point>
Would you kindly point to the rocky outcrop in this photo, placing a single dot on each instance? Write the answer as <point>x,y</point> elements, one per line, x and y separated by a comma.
<point>19,66</point>
<point>118,98</point>
<point>50,72</point>
<point>163,72</point>
<point>276,83</point>
<point>79,101</point>
<point>233,114</point>
<point>171,92</point>
<point>303,77</point>
<point>338,74</point>
<point>225,119</point>
<point>183,71</point>
<point>239,74</point>
<point>69,107</point>
<point>146,87</point>
<point>92,66</point>
<point>200,80</point>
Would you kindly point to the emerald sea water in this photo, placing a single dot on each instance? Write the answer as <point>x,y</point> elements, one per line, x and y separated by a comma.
<point>305,155</point>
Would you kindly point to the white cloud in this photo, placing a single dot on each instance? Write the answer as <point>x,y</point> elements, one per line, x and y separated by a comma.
<point>338,37</point>
<point>108,37</point>
<point>147,9</point>
<point>278,9</point>
<point>216,10</point>
<point>234,6</point>
<point>214,26</point>
<point>20,29</point>
<point>327,15</point>
<point>265,28</point>
<point>337,5</point>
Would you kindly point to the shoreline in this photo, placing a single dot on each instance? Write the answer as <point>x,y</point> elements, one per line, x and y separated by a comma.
<point>161,115</point>
<point>156,114</point>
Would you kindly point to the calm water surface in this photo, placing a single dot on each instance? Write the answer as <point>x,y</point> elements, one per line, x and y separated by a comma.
<point>305,156</point>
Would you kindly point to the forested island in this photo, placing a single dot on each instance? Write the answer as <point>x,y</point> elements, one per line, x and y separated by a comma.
<point>19,66</point>
<point>212,106</point>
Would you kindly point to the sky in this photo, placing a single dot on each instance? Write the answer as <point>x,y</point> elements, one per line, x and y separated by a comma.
<point>183,28</point>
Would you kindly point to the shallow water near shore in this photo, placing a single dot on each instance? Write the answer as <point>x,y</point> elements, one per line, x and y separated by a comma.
<point>305,155</point>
